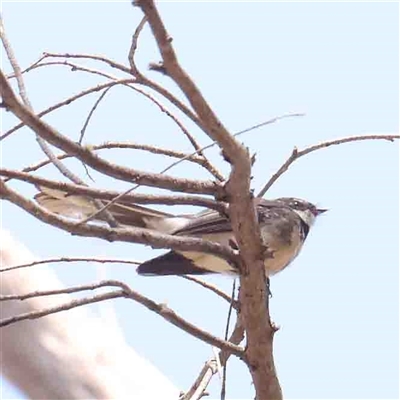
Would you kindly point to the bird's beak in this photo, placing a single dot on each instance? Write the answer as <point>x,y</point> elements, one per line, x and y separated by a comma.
<point>321,210</point>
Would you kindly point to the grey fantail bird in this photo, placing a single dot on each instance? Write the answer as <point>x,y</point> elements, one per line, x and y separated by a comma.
<point>284,225</point>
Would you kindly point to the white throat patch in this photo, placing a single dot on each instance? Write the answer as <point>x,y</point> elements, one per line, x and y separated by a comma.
<point>307,216</point>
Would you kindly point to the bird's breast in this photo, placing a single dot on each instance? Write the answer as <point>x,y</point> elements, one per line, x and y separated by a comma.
<point>280,251</point>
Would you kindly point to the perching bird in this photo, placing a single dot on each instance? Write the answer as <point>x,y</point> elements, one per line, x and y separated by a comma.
<point>284,225</point>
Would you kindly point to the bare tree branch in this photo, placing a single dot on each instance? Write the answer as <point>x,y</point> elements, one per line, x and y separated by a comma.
<point>69,260</point>
<point>72,66</point>
<point>110,63</point>
<point>133,48</point>
<point>212,288</point>
<point>126,145</point>
<point>68,290</point>
<point>91,112</point>
<point>199,386</point>
<point>296,154</point>
<point>126,292</point>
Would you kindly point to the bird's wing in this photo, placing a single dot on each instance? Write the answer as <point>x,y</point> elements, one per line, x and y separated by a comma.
<point>211,221</point>
<point>205,223</point>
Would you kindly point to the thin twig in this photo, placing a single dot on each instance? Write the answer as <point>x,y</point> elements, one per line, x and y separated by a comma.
<point>278,173</point>
<point>110,63</point>
<point>68,290</point>
<point>123,145</point>
<point>212,288</point>
<point>32,66</point>
<point>69,260</point>
<point>296,154</point>
<point>228,320</point>
<point>91,112</point>
<point>74,67</point>
<point>269,122</point>
<point>86,124</point>
<point>63,307</point>
<point>133,48</point>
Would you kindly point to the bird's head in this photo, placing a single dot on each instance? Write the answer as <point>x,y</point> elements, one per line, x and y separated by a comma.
<point>305,210</point>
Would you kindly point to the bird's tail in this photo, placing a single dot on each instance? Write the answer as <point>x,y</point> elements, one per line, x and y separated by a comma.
<point>76,206</point>
<point>171,263</point>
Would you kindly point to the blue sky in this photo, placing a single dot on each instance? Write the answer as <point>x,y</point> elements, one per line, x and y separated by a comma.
<point>337,305</point>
